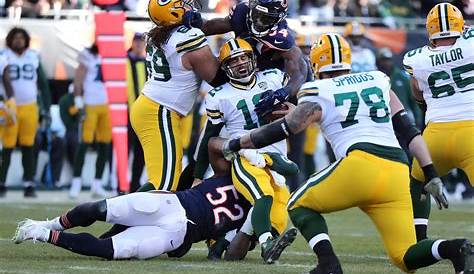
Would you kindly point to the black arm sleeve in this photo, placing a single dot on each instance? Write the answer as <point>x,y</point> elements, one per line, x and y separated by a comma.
<point>220,78</point>
<point>202,161</point>
<point>404,127</point>
<point>271,133</point>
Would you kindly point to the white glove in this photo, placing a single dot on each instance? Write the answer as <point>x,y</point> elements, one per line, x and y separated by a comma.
<point>256,159</point>
<point>79,102</point>
<point>435,188</point>
<point>278,178</point>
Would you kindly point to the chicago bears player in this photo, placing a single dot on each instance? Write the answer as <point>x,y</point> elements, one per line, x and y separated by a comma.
<point>159,221</point>
<point>28,81</point>
<point>232,105</point>
<point>355,112</point>
<point>442,80</point>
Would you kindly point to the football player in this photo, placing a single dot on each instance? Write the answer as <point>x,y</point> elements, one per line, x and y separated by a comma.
<point>362,56</point>
<point>7,106</point>
<point>178,57</point>
<point>262,23</point>
<point>442,81</point>
<point>233,105</point>
<point>90,98</point>
<point>27,78</point>
<point>159,222</point>
<point>355,112</point>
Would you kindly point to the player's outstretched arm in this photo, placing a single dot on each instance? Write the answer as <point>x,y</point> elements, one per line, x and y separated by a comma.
<point>296,121</point>
<point>205,65</point>
<point>295,66</point>
<point>411,136</point>
<point>216,26</point>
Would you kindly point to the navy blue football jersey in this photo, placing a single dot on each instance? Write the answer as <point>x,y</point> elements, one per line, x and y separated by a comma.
<point>213,208</point>
<point>267,48</point>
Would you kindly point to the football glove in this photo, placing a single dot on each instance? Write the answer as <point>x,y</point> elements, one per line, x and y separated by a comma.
<point>270,98</point>
<point>78,102</point>
<point>435,188</point>
<point>192,19</point>
<point>229,155</point>
<point>254,157</point>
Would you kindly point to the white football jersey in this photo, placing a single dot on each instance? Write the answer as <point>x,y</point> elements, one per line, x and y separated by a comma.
<point>93,86</point>
<point>235,107</point>
<point>169,83</point>
<point>363,60</point>
<point>3,65</point>
<point>23,71</point>
<point>355,109</point>
<point>445,75</point>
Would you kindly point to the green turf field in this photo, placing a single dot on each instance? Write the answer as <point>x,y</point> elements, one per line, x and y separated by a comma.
<point>353,236</point>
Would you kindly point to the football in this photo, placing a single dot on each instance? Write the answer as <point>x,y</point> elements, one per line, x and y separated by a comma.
<point>272,116</point>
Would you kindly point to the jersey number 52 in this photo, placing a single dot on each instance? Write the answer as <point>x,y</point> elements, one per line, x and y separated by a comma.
<point>220,203</point>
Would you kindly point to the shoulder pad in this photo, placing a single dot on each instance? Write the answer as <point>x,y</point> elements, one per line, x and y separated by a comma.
<point>280,39</point>
<point>408,60</point>
<point>238,19</point>
<point>188,39</point>
<point>308,89</point>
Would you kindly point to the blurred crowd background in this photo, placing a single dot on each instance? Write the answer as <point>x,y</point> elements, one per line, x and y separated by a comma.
<point>391,11</point>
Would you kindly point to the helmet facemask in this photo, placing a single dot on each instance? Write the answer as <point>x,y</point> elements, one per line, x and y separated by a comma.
<point>264,19</point>
<point>240,67</point>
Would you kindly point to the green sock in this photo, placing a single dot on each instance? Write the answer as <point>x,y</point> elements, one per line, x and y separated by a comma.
<point>310,223</point>
<point>419,255</point>
<point>6,157</point>
<point>309,165</point>
<point>421,209</point>
<point>28,161</point>
<point>261,215</point>
<point>79,159</point>
<point>102,157</point>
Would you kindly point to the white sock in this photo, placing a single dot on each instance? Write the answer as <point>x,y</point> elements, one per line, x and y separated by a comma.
<point>56,224</point>
<point>264,237</point>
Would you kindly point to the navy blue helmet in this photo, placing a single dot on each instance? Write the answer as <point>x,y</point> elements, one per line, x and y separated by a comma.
<point>265,15</point>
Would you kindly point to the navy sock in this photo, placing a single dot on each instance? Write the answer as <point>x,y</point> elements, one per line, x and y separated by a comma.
<point>83,243</point>
<point>84,214</point>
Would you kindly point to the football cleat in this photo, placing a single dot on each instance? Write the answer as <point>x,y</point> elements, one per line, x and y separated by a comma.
<point>3,191</point>
<point>75,189</point>
<point>272,248</point>
<point>216,248</point>
<point>327,265</point>
<point>467,251</point>
<point>30,230</point>
<point>29,192</point>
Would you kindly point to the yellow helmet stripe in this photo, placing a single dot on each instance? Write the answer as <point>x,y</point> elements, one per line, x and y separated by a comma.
<point>443,17</point>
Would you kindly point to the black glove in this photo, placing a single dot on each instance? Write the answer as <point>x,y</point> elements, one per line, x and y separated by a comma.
<point>192,19</point>
<point>270,98</point>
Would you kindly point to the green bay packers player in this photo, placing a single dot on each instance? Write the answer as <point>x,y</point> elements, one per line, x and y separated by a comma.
<point>90,98</point>
<point>27,78</point>
<point>362,56</point>
<point>232,105</point>
<point>7,106</point>
<point>442,82</point>
<point>177,59</point>
<point>355,112</point>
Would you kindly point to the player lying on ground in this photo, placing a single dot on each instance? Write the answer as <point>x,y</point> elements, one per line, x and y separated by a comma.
<point>355,112</point>
<point>159,222</point>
